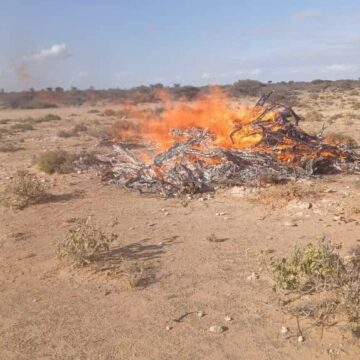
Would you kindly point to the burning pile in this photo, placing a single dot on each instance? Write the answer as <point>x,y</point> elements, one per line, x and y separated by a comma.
<point>211,142</point>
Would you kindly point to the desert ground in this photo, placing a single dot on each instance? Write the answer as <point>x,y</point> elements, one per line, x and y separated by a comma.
<point>179,265</point>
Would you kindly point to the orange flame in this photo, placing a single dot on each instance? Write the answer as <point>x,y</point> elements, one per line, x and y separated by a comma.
<point>220,116</point>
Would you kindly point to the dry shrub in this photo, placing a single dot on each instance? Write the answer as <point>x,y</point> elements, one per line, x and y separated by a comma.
<point>24,189</point>
<point>340,139</point>
<point>84,242</point>
<point>327,284</point>
<point>58,161</point>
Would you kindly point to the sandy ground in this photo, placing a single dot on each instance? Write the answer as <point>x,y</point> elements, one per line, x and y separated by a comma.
<point>50,310</point>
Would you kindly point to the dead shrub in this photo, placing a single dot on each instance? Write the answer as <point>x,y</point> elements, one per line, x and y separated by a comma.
<point>58,161</point>
<point>84,242</point>
<point>24,189</point>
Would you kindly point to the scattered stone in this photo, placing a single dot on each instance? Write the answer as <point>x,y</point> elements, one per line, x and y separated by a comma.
<point>217,329</point>
<point>300,339</point>
<point>168,328</point>
<point>201,314</point>
<point>220,213</point>
<point>284,330</point>
<point>228,318</point>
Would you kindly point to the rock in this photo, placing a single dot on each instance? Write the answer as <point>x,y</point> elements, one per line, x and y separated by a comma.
<point>284,330</point>
<point>252,277</point>
<point>201,314</point>
<point>217,329</point>
<point>300,339</point>
<point>290,223</point>
<point>228,318</point>
<point>168,328</point>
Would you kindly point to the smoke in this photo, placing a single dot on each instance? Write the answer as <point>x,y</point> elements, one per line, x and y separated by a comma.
<point>56,51</point>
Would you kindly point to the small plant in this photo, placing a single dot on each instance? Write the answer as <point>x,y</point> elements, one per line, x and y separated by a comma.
<point>311,266</point>
<point>24,189</point>
<point>59,161</point>
<point>332,281</point>
<point>84,242</point>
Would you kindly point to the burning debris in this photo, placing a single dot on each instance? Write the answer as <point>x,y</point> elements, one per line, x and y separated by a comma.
<point>211,143</point>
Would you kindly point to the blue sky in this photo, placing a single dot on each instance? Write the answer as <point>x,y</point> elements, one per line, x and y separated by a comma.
<point>124,43</point>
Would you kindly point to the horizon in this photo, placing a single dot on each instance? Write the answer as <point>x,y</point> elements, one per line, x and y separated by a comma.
<point>125,44</point>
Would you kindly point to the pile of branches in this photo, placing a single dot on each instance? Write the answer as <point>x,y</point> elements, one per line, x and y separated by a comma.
<point>195,164</point>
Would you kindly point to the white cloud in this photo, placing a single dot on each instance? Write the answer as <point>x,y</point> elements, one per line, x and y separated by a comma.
<point>55,51</point>
<point>306,15</point>
<point>340,68</point>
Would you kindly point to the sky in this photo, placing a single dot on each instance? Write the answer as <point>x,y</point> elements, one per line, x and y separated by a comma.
<point>126,43</point>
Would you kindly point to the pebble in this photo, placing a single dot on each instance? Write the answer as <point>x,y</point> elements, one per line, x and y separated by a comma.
<point>168,328</point>
<point>217,329</point>
<point>300,339</point>
<point>201,314</point>
<point>284,330</point>
<point>228,318</point>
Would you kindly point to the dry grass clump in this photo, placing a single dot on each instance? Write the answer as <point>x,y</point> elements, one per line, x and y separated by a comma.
<point>332,281</point>
<point>339,138</point>
<point>24,189</point>
<point>81,127</point>
<point>356,105</point>
<point>19,127</point>
<point>51,117</point>
<point>313,115</point>
<point>281,194</point>
<point>9,147</point>
<point>58,161</point>
<point>84,242</point>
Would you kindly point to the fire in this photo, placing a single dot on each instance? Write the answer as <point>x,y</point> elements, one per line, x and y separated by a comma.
<point>232,126</point>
